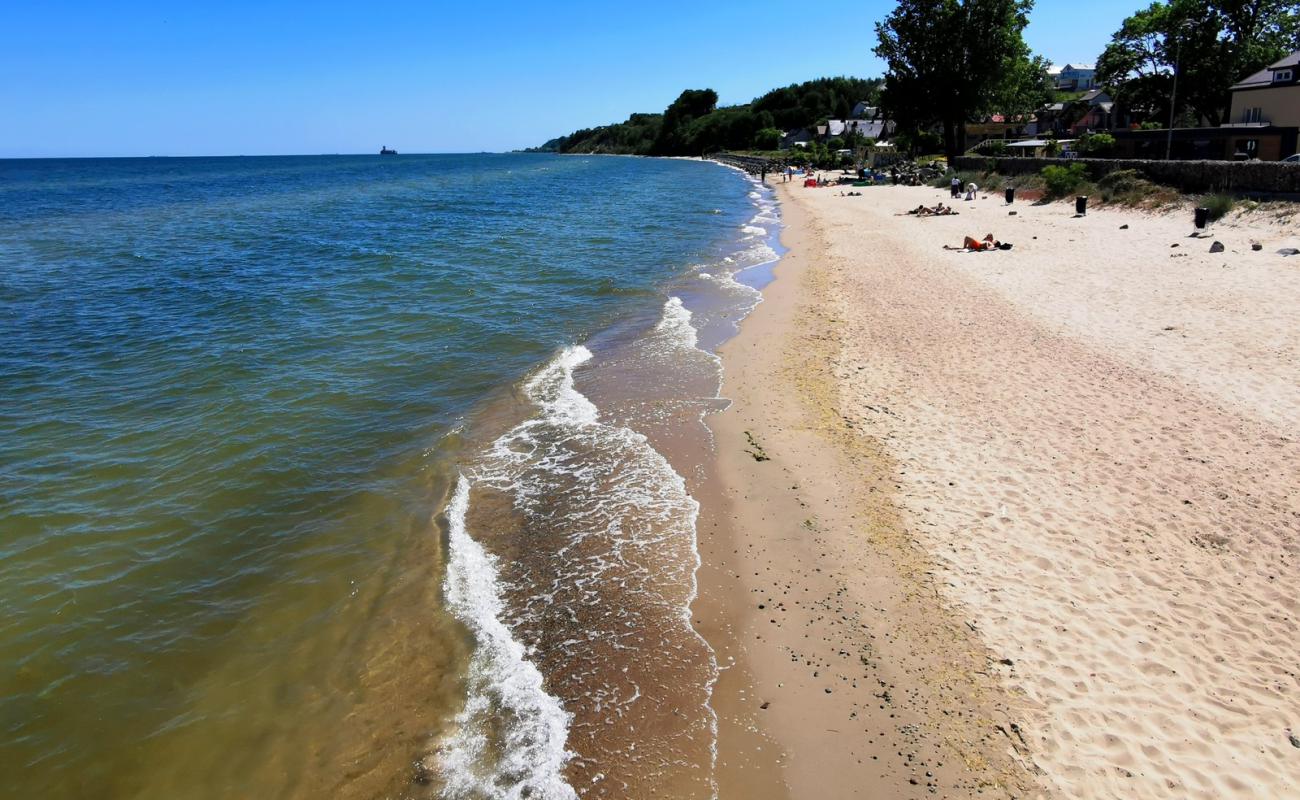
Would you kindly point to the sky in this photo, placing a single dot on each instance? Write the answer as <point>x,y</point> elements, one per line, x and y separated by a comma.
<point>90,78</point>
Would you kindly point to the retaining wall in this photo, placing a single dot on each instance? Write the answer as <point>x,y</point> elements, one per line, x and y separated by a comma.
<point>754,165</point>
<point>1246,177</point>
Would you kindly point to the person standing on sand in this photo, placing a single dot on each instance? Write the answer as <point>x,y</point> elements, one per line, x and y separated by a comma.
<point>956,187</point>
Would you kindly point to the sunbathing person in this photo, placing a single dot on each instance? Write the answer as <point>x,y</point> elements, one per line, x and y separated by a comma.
<point>973,245</point>
<point>940,210</point>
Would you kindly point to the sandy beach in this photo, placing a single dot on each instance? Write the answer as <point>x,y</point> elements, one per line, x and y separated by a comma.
<point>1022,523</point>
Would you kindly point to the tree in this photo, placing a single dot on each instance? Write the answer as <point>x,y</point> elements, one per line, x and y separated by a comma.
<point>1214,43</point>
<point>767,139</point>
<point>802,105</point>
<point>1096,144</point>
<point>689,105</point>
<point>955,60</point>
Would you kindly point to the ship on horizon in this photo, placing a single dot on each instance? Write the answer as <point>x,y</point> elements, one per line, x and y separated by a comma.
<point>384,151</point>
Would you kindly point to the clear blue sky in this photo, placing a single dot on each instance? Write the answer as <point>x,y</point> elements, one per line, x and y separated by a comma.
<point>84,78</point>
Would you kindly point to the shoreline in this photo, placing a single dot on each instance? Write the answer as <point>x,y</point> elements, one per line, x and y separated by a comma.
<point>1027,491</point>
<point>840,658</point>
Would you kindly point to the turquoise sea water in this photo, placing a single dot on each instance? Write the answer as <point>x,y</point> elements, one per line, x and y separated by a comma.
<point>236,391</point>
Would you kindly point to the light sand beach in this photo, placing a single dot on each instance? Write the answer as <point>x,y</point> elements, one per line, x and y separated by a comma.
<point>1021,523</point>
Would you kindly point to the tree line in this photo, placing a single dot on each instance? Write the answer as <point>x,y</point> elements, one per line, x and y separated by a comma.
<point>955,61</point>
<point>695,125</point>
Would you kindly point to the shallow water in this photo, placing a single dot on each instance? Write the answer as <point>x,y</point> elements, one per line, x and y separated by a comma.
<point>237,391</point>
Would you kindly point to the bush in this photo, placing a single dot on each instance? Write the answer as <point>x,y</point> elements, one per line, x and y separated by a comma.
<point>1130,188</point>
<point>1121,185</point>
<point>1063,180</point>
<point>1097,144</point>
<point>767,139</point>
<point>1218,204</point>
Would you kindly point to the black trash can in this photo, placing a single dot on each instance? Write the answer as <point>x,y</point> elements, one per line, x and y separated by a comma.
<point>1011,195</point>
<point>1081,205</point>
<point>1202,217</point>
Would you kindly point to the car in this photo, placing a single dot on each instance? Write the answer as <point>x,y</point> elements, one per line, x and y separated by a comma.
<point>1295,159</point>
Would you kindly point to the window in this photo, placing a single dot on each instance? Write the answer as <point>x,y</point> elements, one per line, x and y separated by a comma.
<point>1283,76</point>
<point>1252,115</point>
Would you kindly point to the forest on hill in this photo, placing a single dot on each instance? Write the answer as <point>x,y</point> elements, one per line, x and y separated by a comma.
<point>694,124</point>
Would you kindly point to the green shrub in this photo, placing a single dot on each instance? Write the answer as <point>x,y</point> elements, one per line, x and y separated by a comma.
<point>1218,204</point>
<point>767,139</point>
<point>1097,144</point>
<point>1063,180</point>
<point>1121,184</point>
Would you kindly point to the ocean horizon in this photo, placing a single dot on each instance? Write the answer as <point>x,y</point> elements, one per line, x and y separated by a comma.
<point>361,476</point>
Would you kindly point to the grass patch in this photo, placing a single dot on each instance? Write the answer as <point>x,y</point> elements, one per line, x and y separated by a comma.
<point>1128,187</point>
<point>1218,204</point>
<point>1062,181</point>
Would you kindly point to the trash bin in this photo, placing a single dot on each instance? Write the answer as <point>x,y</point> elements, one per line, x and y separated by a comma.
<point>1011,195</point>
<point>1081,205</point>
<point>1202,217</point>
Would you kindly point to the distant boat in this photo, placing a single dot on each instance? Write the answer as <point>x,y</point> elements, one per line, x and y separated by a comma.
<point>384,151</point>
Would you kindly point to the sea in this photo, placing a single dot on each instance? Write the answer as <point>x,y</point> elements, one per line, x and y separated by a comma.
<point>362,476</point>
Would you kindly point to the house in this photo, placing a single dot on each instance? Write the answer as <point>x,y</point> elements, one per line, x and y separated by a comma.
<point>1100,114</point>
<point>1075,77</point>
<point>799,137</point>
<point>866,128</point>
<point>864,110</point>
<point>1265,113</point>
<point>1270,96</point>
<point>1225,143</point>
<point>997,126</point>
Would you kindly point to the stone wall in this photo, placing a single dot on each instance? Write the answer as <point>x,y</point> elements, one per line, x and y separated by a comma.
<point>754,165</point>
<point>1243,177</point>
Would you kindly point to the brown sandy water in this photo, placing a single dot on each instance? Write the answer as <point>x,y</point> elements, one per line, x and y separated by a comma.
<point>573,558</point>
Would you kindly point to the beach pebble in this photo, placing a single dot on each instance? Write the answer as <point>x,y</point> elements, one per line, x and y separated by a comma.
<point>1124,227</point>
<point>1288,251</point>
<point>1256,246</point>
<point>1217,247</point>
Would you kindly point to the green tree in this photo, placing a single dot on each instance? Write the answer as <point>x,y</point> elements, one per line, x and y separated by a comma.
<point>767,139</point>
<point>1215,43</point>
<point>1096,144</point>
<point>801,105</point>
<point>674,134</point>
<point>954,60</point>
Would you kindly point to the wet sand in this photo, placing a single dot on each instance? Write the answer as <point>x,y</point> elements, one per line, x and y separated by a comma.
<point>1011,524</point>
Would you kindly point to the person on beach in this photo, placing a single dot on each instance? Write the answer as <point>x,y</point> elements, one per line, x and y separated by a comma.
<point>972,191</point>
<point>956,187</point>
<point>973,245</point>
<point>939,210</point>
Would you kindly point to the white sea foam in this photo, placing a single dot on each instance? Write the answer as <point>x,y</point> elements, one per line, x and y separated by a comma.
<point>504,686</point>
<point>621,525</point>
<point>553,389</point>
<point>676,322</point>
